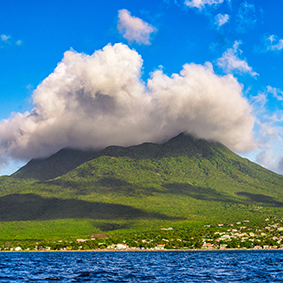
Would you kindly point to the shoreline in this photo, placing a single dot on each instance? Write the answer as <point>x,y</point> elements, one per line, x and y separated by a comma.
<point>140,250</point>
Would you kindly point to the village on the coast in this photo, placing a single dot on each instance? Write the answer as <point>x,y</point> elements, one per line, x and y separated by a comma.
<point>239,235</point>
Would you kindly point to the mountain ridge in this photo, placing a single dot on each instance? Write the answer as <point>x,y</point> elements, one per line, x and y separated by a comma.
<point>68,159</point>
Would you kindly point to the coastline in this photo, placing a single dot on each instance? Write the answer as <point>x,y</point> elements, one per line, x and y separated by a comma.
<point>143,250</point>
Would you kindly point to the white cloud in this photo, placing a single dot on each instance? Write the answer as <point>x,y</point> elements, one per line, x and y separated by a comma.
<point>29,86</point>
<point>19,42</point>
<point>266,158</point>
<point>5,38</point>
<point>280,165</point>
<point>9,40</point>
<point>100,100</point>
<point>198,101</point>
<point>272,43</point>
<point>8,165</point>
<point>133,28</point>
<point>200,4</point>
<point>277,117</point>
<point>269,130</point>
<point>221,19</point>
<point>246,17</point>
<point>230,61</point>
<point>270,141</point>
<point>276,92</point>
<point>258,103</point>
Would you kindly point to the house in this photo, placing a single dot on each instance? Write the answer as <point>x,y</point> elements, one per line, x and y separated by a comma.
<point>121,246</point>
<point>160,247</point>
<point>207,245</point>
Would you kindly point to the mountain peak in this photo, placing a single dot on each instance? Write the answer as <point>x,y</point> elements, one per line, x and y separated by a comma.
<point>68,159</point>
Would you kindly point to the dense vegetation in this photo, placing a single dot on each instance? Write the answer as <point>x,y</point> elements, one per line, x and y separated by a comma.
<point>181,183</point>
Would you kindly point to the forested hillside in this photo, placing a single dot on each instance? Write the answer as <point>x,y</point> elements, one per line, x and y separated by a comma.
<point>181,182</point>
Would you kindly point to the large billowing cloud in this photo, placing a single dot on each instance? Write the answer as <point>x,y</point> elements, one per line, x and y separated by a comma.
<point>134,29</point>
<point>100,100</point>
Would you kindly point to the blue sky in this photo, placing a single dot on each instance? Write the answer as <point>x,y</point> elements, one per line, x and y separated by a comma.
<point>89,74</point>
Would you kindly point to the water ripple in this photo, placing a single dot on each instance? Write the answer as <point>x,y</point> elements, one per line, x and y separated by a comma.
<point>175,266</point>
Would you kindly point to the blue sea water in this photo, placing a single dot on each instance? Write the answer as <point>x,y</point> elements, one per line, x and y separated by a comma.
<point>164,266</point>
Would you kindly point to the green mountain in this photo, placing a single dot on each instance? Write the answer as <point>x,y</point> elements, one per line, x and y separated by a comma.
<point>185,181</point>
<point>56,165</point>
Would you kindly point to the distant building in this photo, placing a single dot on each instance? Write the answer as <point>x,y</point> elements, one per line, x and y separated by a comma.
<point>207,245</point>
<point>160,247</point>
<point>121,246</point>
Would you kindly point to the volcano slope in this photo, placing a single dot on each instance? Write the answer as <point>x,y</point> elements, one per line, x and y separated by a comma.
<point>183,182</point>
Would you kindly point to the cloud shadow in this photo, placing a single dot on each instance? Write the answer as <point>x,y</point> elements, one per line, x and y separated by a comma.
<point>24,207</point>
<point>261,198</point>
<point>197,192</point>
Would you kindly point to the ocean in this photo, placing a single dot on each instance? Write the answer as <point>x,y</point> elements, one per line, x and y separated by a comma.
<point>147,266</point>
